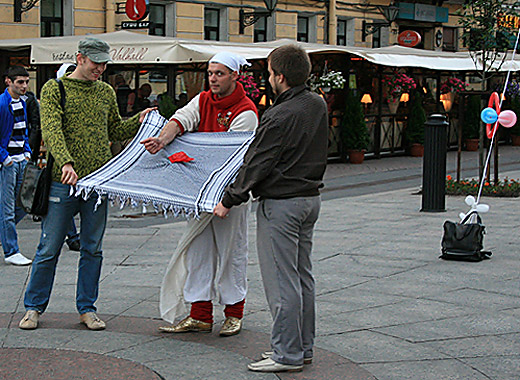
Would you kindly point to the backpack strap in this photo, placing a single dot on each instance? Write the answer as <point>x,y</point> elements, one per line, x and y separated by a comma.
<point>62,93</point>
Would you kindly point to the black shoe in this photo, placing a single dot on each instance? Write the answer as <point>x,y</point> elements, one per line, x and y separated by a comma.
<point>73,245</point>
<point>37,218</point>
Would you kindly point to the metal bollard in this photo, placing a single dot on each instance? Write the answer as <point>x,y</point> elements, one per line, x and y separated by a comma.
<point>434,164</point>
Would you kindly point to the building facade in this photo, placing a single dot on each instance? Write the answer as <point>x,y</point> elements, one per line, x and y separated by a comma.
<point>320,21</point>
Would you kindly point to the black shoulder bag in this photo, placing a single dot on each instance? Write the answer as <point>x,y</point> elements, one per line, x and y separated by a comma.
<point>33,196</point>
<point>464,241</point>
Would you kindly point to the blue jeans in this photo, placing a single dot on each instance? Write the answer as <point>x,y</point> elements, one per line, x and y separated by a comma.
<point>55,226</point>
<point>72,232</point>
<point>10,214</point>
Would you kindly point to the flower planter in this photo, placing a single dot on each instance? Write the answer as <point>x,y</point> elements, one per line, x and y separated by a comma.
<point>515,140</point>
<point>472,145</point>
<point>356,156</point>
<point>417,150</point>
<point>393,104</point>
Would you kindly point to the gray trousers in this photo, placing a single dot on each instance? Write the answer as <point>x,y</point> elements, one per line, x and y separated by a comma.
<point>284,244</point>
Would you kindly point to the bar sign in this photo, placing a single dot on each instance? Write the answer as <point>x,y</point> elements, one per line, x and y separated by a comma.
<point>135,24</point>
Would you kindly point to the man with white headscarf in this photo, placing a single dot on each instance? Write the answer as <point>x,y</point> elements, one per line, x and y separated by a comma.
<point>215,250</point>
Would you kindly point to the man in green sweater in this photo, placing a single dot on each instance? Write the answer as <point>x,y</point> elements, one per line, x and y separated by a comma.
<point>78,137</point>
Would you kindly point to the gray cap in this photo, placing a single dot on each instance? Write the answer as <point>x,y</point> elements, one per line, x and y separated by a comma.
<point>95,49</point>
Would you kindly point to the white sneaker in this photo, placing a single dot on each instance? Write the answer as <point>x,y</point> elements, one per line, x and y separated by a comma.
<point>18,259</point>
<point>268,354</point>
<point>269,365</point>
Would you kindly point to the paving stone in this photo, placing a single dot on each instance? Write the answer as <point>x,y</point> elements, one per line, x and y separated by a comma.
<point>448,369</point>
<point>372,347</point>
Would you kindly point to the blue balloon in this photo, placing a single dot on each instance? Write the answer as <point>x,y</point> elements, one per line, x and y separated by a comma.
<point>489,115</point>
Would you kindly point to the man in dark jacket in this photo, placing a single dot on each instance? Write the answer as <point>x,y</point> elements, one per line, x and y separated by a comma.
<point>284,167</point>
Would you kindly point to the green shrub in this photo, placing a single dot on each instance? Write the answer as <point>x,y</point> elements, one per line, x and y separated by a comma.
<point>354,131</point>
<point>166,105</point>
<point>514,105</point>
<point>471,126</point>
<point>414,131</point>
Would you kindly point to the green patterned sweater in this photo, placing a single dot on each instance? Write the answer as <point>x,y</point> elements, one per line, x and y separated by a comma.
<point>91,121</point>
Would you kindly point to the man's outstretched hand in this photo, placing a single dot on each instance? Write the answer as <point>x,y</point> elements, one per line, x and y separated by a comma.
<point>153,144</point>
<point>220,210</point>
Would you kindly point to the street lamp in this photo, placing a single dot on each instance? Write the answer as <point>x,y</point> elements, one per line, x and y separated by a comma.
<point>21,6</point>
<point>249,18</point>
<point>390,12</point>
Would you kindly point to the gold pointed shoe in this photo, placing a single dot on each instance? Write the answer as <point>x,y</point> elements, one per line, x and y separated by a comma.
<point>188,324</point>
<point>231,326</point>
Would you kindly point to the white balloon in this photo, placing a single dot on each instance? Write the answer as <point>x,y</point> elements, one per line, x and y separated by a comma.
<point>482,208</point>
<point>470,200</point>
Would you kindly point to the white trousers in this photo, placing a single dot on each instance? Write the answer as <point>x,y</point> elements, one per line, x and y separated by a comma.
<point>216,260</point>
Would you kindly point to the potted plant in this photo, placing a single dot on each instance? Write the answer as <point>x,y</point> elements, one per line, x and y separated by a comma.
<point>249,84</point>
<point>354,132</point>
<point>471,127</point>
<point>452,86</point>
<point>331,80</point>
<point>414,132</point>
<point>397,84</point>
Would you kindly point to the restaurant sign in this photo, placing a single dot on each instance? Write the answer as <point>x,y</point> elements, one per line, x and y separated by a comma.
<point>137,9</point>
<point>409,38</point>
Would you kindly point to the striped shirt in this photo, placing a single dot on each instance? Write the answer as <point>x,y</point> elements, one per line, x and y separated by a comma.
<point>17,141</point>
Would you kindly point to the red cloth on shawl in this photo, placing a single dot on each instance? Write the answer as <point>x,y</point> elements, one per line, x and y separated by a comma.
<point>217,114</point>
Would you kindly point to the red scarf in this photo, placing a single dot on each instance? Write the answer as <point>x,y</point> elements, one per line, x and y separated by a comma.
<point>217,114</point>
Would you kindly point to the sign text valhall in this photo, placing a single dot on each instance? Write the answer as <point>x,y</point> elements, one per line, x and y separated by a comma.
<point>118,54</point>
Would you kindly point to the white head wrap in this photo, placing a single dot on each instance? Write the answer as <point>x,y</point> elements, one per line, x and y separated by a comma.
<point>63,69</point>
<point>230,60</point>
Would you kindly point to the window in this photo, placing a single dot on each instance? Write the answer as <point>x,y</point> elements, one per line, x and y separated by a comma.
<point>303,29</point>
<point>449,39</point>
<point>51,18</point>
<point>376,39</point>
<point>342,33</point>
<point>260,31</point>
<point>157,20</point>
<point>211,24</point>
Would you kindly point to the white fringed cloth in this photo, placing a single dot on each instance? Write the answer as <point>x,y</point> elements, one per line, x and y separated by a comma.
<point>183,188</point>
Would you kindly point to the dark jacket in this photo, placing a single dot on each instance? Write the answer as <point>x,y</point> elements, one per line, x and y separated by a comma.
<point>33,123</point>
<point>7,124</point>
<point>33,111</point>
<point>288,155</point>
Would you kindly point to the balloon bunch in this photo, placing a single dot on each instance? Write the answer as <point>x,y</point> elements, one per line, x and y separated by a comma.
<point>492,116</point>
<point>474,206</point>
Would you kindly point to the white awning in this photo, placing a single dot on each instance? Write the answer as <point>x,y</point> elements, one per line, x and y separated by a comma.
<point>136,48</point>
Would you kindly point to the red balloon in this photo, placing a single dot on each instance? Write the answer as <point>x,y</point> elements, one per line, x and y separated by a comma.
<point>493,100</point>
